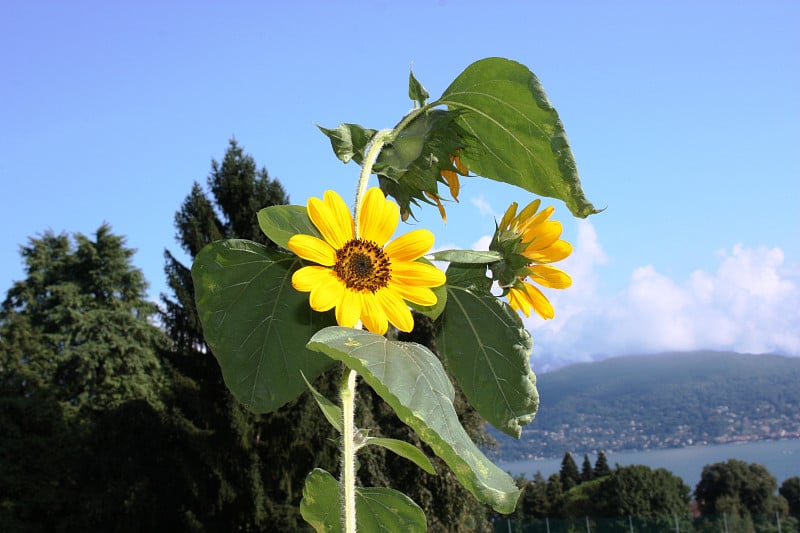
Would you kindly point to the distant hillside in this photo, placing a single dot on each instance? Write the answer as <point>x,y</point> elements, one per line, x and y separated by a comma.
<point>659,401</point>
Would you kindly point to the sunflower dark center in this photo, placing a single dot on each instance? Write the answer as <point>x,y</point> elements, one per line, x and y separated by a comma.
<point>362,265</point>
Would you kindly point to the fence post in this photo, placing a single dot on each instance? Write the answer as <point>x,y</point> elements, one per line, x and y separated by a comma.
<point>725,521</point>
<point>677,527</point>
<point>778,521</point>
<point>547,523</point>
<point>630,523</point>
<point>588,529</point>
<point>508,523</point>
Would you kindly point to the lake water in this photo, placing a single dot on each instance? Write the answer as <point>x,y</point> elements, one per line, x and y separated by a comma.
<point>780,457</point>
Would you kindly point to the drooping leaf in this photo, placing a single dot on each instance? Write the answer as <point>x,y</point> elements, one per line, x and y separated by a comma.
<point>413,382</point>
<point>281,222</point>
<point>515,134</point>
<point>481,257</point>
<point>331,411</point>
<point>488,351</point>
<point>416,91</point>
<point>255,323</point>
<point>349,141</point>
<point>406,450</point>
<point>377,509</point>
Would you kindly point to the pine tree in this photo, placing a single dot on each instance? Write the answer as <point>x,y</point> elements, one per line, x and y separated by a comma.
<point>601,467</point>
<point>569,472</point>
<point>76,343</point>
<point>587,474</point>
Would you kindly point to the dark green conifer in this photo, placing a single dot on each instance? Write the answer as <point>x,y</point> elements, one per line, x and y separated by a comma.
<point>569,472</point>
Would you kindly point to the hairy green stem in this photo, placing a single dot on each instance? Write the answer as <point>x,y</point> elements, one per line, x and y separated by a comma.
<point>348,473</point>
<point>376,145</point>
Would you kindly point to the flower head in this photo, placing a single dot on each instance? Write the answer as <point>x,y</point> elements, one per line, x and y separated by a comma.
<point>529,242</point>
<point>360,275</point>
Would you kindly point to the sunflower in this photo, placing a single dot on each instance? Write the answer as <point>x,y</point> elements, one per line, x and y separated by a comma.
<point>529,242</point>
<point>358,273</point>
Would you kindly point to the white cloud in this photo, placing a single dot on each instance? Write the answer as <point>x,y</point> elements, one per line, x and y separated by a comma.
<point>750,303</point>
<point>484,207</point>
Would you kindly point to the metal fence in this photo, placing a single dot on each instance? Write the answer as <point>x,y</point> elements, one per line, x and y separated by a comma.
<point>724,523</point>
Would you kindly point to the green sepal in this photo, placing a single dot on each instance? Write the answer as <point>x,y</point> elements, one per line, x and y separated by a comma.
<point>349,141</point>
<point>255,323</point>
<point>412,380</point>
<point>405,450</point>
<point>480,257</point>
<point>331,411</point>
<point>487,350</point>
<point>281,222</point>
<point>515,134</point>
<point>377,509</point>
<point>416,91</point>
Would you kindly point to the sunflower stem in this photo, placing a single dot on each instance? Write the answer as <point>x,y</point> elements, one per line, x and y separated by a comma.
<point>348,474</point>
<point>376,145</point>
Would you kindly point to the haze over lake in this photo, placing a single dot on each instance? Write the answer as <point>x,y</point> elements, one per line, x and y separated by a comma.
<point>780,457</point>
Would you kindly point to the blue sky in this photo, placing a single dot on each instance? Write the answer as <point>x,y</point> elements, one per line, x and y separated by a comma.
<point>683,117</point>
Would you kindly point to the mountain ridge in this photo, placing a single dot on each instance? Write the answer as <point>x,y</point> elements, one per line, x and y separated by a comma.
<point>667,400</point>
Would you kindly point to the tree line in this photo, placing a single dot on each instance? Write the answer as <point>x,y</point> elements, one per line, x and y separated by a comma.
<point>734,488</point>
<point>114,415</point>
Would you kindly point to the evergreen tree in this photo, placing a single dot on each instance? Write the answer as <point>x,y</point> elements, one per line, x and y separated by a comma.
<point>569,472</point>
<point>587,474</point>
<point>555,496</point>
<point>601,467</point>
<point>76,343</point>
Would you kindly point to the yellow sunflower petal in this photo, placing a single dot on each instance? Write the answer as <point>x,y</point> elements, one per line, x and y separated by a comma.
<point>309,277</point>
<point>348,310</point>
<point>508,216</point>
<point>395,309</point>
<point>543,235</point>
<point>518,301</point>
<point>541,304</point>
<point>332,218</point>
<point>410,246</point>
<point>416,274</point>
<point>327,294</point>
<point>372,314</point>
<point>378,218</point>
<point>417,295</point>
<point>549,276</point>
<point>313,249</point>
<point>529,210</point>
<point>555,252</point>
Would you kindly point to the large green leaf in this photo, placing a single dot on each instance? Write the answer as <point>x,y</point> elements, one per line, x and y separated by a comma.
<point>413,382</point>
<point>281,222</point>
<point>255,323</point>
<point>487,349</point>
<point>377,509</point>
<point>515,134</point>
